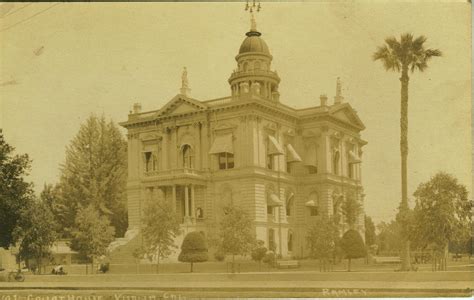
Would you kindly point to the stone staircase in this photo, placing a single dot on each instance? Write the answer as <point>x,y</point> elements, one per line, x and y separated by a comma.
<point>121,250</point>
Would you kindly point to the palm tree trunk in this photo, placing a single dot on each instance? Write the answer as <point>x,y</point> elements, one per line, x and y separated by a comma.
<point>403,210</point>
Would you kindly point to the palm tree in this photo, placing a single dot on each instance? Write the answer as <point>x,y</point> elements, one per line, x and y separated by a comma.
<point>408,54</point>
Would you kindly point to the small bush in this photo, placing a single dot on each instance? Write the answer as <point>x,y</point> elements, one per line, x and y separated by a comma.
<point>269,258</point>
<point>259,252</point>
<point>219,256</point>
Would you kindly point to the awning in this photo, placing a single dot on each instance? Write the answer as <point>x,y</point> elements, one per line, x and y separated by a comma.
<point>311,156</point>
<point>292,155</point>
<point>274,201</point>
<point>274,148</point>
<point>353,159</point>
<point>311,203</point>
<point>222,144</point>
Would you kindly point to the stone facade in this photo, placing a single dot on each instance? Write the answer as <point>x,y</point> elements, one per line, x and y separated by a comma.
<point>285,166</point>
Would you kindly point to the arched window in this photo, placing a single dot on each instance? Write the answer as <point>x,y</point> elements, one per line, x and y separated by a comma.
<point>188,156</point>
<point>335,162</point>
<point>246,66</point>
<point>257,65</point>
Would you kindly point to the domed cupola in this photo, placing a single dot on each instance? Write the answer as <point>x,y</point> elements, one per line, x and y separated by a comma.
<point>253,43</point>
<point>253,76</point>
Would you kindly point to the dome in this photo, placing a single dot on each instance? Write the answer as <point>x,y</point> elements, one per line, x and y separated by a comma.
<point>253,43</point>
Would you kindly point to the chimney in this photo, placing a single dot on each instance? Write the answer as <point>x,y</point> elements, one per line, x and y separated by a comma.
<point>137,108</point>
<point>324,100</point>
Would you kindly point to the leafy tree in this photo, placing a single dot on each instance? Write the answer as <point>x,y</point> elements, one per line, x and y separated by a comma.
<point>402,56</point>
<point>236,235</point>
<point>160,228</point>
<point>60,214</point>
<point>37,233</point>
<point>193,249</point>
<point>92,233</point>
<point>259,251</point>
<point>369,231</point>
<point>94,173</point>
<point>388,239</point>
<point>353,246</point>
<point>16,195</point>
<point>442,214</point>
<point>322,238</point>
<point>351,209</point>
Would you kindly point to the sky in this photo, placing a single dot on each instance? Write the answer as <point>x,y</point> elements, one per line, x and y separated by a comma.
<point>60,62</point>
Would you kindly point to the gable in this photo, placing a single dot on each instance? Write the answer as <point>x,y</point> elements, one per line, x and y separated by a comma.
<point>343,116</point>
<point>182,108</point>
<point>180,105</point>
<point>347,114</point>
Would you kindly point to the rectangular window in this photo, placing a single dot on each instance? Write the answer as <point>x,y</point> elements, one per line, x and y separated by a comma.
<point>270,162</point>
<point>226,161</point>
<point>269,210</point>
<point>271,240</point>
<point>312,169</point>
<point>350,170</point>
<point>313,211</point>
<point>148,161</point>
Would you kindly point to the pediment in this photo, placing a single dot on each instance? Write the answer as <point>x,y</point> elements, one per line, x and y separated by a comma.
<point>181,105</point>
<point>347,114</point>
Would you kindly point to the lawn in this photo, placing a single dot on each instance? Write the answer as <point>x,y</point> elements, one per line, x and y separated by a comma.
<point>246,266</point>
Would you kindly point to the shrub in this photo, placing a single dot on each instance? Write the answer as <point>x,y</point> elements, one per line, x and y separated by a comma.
<point>269,258</point>
<point>193,249</point>
<point>258,253</point>
<point>219,256</point>
<point>353,246</point>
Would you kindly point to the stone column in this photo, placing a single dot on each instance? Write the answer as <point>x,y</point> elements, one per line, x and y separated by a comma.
<point>205,145</point>
<point>193,204</point>
<point>164,151</point>
<point>172,158</point>
<point>343,159</point>
<point>186,202</point>
<point>325,153</point>
<point>173,198</point>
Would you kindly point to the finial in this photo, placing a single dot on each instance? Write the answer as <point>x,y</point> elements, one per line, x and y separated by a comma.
<point>338,98</point>
<point>184,83</point>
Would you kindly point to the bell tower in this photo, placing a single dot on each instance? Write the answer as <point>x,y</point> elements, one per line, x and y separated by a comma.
<point>253,77</point>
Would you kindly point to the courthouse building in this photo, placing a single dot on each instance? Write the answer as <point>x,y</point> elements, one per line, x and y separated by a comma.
<point>286,167</point>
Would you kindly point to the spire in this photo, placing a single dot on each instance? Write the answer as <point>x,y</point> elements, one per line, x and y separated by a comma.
<point>338,98</point>
<point>254,7</point>
<point>184,90</point>
<point>253,23</point>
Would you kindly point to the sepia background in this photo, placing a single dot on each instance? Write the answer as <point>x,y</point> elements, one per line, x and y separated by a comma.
<point>60,62</point>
